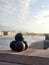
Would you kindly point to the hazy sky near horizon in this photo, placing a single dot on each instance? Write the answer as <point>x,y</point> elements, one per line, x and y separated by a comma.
<point>30,15</point>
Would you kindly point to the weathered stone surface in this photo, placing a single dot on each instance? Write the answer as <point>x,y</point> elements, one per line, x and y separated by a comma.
<point>5,63</point>
<point>30,56</point>
<point>40,45</point>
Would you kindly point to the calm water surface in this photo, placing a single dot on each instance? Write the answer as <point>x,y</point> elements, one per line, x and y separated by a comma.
<point>5,41</point>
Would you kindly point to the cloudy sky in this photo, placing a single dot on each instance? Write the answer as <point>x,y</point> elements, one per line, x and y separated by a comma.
<point>28,15</point>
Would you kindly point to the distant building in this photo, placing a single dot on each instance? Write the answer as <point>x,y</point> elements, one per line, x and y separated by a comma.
<point>1,33</point>
<point>12,33</point>
<point>8,33</point>
<point>5,33</point>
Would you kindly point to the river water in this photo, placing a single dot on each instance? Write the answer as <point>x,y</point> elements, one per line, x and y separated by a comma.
<point>5,40</point>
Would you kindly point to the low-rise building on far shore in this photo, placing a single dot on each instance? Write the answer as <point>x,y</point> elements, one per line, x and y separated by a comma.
<point>1,33</point>
<point>8,33</point>
<point>12,33</point>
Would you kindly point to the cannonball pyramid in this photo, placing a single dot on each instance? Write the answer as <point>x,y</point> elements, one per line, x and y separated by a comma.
<point>18,44</point>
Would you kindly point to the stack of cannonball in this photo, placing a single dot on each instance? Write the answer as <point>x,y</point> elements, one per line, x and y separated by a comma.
<point>18,44</point>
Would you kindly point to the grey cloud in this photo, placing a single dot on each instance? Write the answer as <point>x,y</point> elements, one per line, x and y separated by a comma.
<point>8,6</point>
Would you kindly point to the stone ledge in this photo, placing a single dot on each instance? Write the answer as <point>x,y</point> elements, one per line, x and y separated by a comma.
<point>44,44</point>
<point>5,63</point>
<point>29,57</point>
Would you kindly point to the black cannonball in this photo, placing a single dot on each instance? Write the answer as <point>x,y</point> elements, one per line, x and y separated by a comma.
<point>12,45</point>
<point>19,46</point>
<point>26,46</point>
<point>19,37</point>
